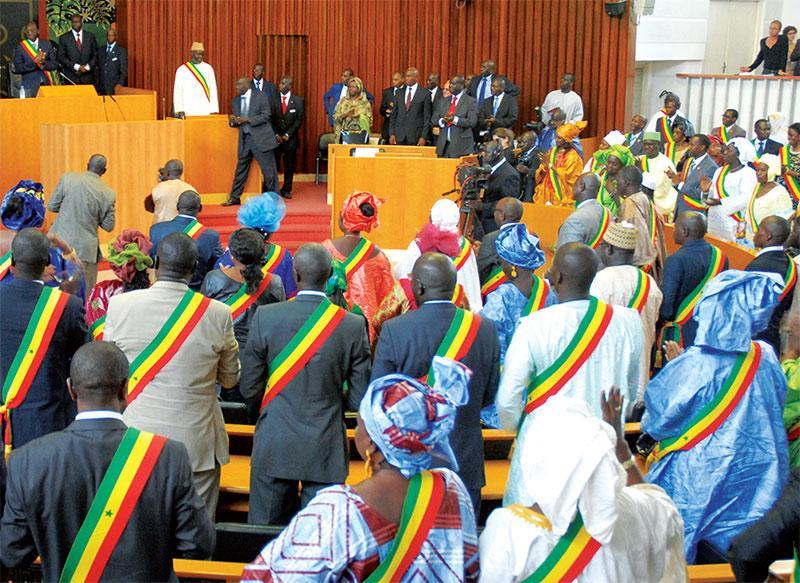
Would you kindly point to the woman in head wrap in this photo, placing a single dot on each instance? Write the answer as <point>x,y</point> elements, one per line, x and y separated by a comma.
<point>264,214</point>
<point>353,114</point>
<point>560,167</point>
<point>347,533</point>
<point>768,197</point>
<point>613,159</point>
<point>129,259</point>
<point>679,153</point>
<point>366,268</point>
<point>23,208</point>
<point>715,149</point>
<point>729,190</point>
<point>579,477</point>
<point>613,138</point>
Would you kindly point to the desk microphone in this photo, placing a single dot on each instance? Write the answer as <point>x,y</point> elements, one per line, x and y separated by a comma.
<point>122,113</point>
<point>67,78</point>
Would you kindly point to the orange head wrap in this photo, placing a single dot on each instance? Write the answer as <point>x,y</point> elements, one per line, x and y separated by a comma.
<point>354,217</point>
<point>570,131</point>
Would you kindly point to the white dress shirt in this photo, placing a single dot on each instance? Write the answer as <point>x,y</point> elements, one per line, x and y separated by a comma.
<point>410,89</point>
<point>570,103</point>
<point>88,415</point>
<point>188,95</point>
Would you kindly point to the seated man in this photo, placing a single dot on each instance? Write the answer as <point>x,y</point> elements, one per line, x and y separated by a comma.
<point>716,413</point>
<point>75,484</point>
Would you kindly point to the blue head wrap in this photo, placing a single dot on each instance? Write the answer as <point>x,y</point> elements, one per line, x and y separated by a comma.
<point>518,247</point>
<point>263,213</point>
<point>409,421</point>
<point>734,307</point>
<point>32,215</point>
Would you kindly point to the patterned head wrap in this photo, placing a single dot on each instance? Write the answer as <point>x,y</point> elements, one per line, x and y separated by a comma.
<point>360,84</point>
<point>31,195</point>
<point>409,421</point>
<point>128,254</point>
<point>570,131</point>
<point>353,217</point>
<point>773,163</point>
<point>518,247</point>
<point>747,151</point>
<point>622,153</point>
<point>263,213</point>
<point>445,215</point>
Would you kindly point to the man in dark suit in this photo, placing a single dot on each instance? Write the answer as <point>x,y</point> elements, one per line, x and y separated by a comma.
<point>700,165</point>
<point>456,119</point>
<point>769,239</point>
<point>499,111</point>
<point>410,120</point>
<point>503,182</point>
<point>634,139</point>
<point>672,103</point>
<point>258,83</point>
<point>732,129</point>
<point>77,53</point>
<point>252,115</point>
<point>209,248</point>
<point>388,97</point>
<point>433,87</point>
<point>46,407</point>
<point>53,484</point>
<point>337,91</point>
<point>527,164</point>
<point>112,65</point>
<point>480,86</point>
<point>409,342</point>
<point>762,142</point>
<point>36,60</point>
<point>300,435</point>
<point>508,211</point>
<point>288,111</point>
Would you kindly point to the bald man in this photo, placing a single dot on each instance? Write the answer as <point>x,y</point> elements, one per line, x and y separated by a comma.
<point>507,212</point>
<point>409,342</point>
<point>300,435</point>
<point>163,199</point>
<point>585,223</point>
<point>455,117</point>
<point>546,336</point>
<point>410,120</point>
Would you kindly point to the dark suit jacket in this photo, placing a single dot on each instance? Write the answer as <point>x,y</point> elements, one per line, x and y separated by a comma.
<point>472,88</point>
<point>387,104</point>
<point>637,146</point>
<point>462,141</point>
<point>773,262</point>
<point>209,247</point>
<point>503,182</point>
<point>267,87</point>
<point>530,160</point>
<point>290,122</point>
<point>300,435</point>
<point>69,55</point>
<point>691,185</point>
<point>112,69</point>
<point>47,406</point>
<point>259,126</point>
<point>507,113</point>
<point>409,126</point>
<point>32,75</point>
<point>770,147</point>
<point>51,485</point>
<point>408,344</point>
<point>487,256</point>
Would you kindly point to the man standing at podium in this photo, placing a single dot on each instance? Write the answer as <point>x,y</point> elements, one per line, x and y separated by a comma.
<point>112,65</point>
<point>77,53</point>
<point>35,60</point>
<point>195,91</point>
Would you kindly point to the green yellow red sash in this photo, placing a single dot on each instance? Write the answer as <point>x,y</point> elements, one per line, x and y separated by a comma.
<point>180,324</point>
<point>714,414</point>
<point>97,328</point>
<point>200,79</point>
<point>642,291</point>
<point>723,134</point>
<point>194,229</point>
<point>723,192</point>
<point>463,253</point>
<point>5,264</point>
<point>595,166</point>
<point>301,348</point>
<point>31,50</point>
<point>424,497</point>
<point>694,204</point>
<point>789,279</point>
<point>569,557</point>
<point>241,300</point>
<point>669,140</point>
<point>358,257</point>
<point>275,255</point>
<point>588,335</point>
<point>539,292</point>
<point>552,176</point>
<point>458,295</point>
<point>31,352</point>
<point>595,242</point>
<point>652,223</point>
<point>496,279</point>
<point>112,506</point>
<point>644,164</point>
<point>457,340</point>
<point>792,183</point>
<point>794,431</point>
<point>751,209</point>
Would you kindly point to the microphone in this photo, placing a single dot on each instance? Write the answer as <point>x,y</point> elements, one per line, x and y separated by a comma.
<point>122,113</point>
<point>449,192</point>
<point>67,78</point>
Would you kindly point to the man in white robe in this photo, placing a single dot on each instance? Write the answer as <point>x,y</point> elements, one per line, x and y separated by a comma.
<point>654,165</point>
<point>195,90</point>
<point>565,99</point>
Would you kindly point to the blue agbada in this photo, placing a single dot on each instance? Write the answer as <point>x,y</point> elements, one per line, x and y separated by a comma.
<point>733,477</point>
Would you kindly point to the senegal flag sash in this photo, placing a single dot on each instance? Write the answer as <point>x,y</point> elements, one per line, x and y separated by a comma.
<point>5,264</point>
<point>463,253</point>
<point>792,183</point>
<point>569,557</point>
<point>652,223</point>
<point>358,256</point>
<point>644,164</point>
<point>112,506</point>
<point>595,242</point>
<point>793,433</point>
<point>31,50</point>
<point>97,328</point>
<point>424,497</point>
<point>180,324</point>
<point>241,300</point>
<point>552,176</point>
<point>496,279</point>
<point>588,335</point>
<point>712,415</point>
<point>694,204</point>
<point>195,71</point>
<point>642,291</point>
<point>789,279</point>
<point>669,140</point>
<point>302,347</point>
<point>539,292</point>
<point>194,229</point>
<point>723,134</point>
<point>458,295</point>
<point>723,192</point>
<point>457,340</point>
<point>275,255</point>
<point>751,209</point>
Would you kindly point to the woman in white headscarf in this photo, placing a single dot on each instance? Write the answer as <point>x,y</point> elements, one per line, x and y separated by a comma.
<point>612,138</point>
<point>768,197</point>
<point>442,235</point>
<point>630,531</point>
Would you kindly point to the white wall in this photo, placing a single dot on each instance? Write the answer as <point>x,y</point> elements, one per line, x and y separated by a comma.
<point>676,31</point>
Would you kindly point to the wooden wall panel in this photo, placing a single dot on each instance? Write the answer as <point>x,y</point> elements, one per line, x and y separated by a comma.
<point>533,41</point>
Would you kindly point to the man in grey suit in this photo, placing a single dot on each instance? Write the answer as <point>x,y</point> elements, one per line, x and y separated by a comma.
<point>252,116</point>
<point>699,165</point>
<point>583,224</point>
<point>54,479</point>
<point>634,139</point>
<point>180,402</point>
<point>300,435</point>
<point>84,203</point>
<point>456,117</point>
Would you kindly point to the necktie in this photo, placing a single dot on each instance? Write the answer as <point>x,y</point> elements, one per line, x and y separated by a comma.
<point>496,105</point>
<point>258,84</point>
<point>408,98</point>
<point>285,104</point>
<point>452,109</point>
<point>691,166</point>
<point>108,50</point>
<point>78,41</point>
<point>243,112</point>
<point>760,147</point>
<point>481,88</point>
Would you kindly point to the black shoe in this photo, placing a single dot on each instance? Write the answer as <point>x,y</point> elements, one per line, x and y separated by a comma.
<point>286,194</point>
<point>232,202</point>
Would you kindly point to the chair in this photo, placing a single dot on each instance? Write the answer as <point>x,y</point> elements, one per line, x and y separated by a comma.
<point>241,543</point>
<point>322,150</point>
<point>233,412</point>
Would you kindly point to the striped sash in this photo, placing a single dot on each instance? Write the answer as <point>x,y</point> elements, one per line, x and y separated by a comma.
<point>5,265</point>
<point>793,433</point>
<point>552,176</point>
<point>241,300</point>
<point>458,295</point>
<point>751,209</point>
<point>539,292</point>
<point>669,140</point>
<point>195,71</point>
<point>112,506</point>
<point>642,291</point>
<point>693,203</point>
<point>789,279</point>
<point>792,183</point>
<point>723,134</point>
<point>496,279</point>
<point>723,192</point>
<point>595,242</point>
<point>463,253</point>
<point>97,328</point>
<point>358,256</point>
<point>194,229</point>
<point>31,50</point>
<point>569,557</point>
<point>457,340</point>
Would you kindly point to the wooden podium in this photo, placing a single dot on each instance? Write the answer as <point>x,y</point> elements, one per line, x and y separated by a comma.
<point>67,91</point>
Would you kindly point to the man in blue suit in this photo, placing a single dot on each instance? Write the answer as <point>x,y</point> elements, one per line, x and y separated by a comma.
<point>337,91</point>
<point>687,184</point>
<point>35,60</point>
<point>258,83</point>
<point>209,247</point>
